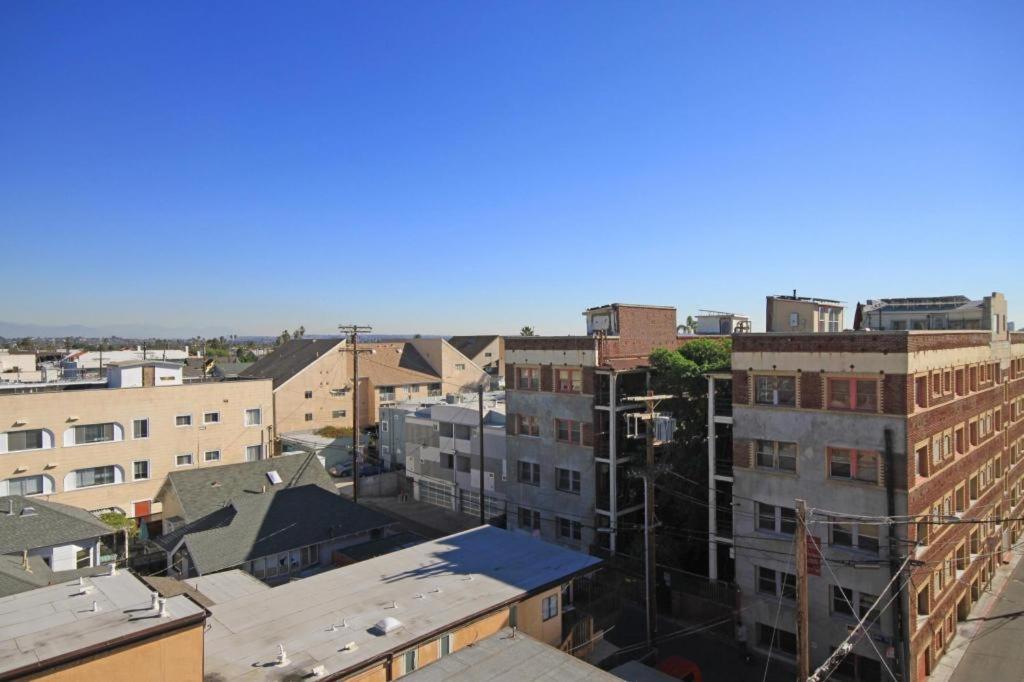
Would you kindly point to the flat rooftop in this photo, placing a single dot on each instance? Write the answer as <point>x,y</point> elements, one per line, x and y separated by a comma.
<point>428,588</point>
<point>507,657</point>
<point>54,622</point>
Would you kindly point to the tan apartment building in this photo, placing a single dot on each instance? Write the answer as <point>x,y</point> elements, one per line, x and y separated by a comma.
<point>109,445</point>
<point>796,314</point>
<point>386,617</point>
<point>907,447</point>
<point>109,627</point>
<point>486,350</point>
<point>313,378</point>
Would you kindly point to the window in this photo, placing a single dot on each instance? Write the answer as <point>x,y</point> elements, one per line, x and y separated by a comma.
<point>858,395</point>
<point>866,606</point>
<point>463,431</point>
<point>776,519</point>
<point>775,390</point>
<point>211,456</point>
<point>769,637</point>
<point>211,417</point>
<point>444,645</point>
<point>28,485</point>
<point>183,460</point>
<point>94,433</point>
<point>337,414</point>
<point>140,428</point>
<point>770,581</point>
<point>567,480</point>
<point>529,519</point>
<point>384,426</point>
<point>253,453</point>
<point>842,599</point>
<point>528,378</point>
<point>853,465</point>
<point>569,529</point>
<point>773,454</point>
<point>447,460</point>
<point>140,470</point>
<point>83,558</point>
<point>855,535</point>
<point>308,395</point>
<point>959,380</point>
<point>183,420</point>
<point>921,391</point>
<point>529,472</point>
<point>568,381</point>
<point>24,440</point>
<point>923,605</point>
<point>568,431</point>
<point>309,416</point>
<point>528,425</point>
<point>254,416</point>
<point>462,464</point>
<point>409,661</point>
<point>87,478</point>
<point>460,366</point>
<point>549,607</point>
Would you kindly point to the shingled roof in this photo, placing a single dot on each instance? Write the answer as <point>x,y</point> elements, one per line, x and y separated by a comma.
<point>28,523</point>
<point>230,519</point>
<point>289,359</point>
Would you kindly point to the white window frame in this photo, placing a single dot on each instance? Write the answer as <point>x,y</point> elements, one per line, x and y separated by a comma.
<point>190,462</point>
<point>140,419</point>
<point>549,607</point>
<point>207,458</point>
<point>214,421</point>
<point>182,426</point>
<point>245,416</point>
<point>149,470</point>
<point>245,453</point>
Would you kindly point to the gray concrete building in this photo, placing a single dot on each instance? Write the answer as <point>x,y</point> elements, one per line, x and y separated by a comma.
<point>568,452</point>
<point>439,444</point>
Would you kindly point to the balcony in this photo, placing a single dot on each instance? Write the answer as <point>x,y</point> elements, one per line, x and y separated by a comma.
<point>386,397</point>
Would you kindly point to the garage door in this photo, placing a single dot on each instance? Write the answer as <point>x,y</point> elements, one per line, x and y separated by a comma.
<point>435,493</point>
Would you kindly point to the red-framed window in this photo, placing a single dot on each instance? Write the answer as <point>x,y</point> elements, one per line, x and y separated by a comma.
<point>568,380</point>
<point>855,395</point>
<point>528,378</point>
<point>528,425</point>
<point>853,465</point>
<point>569,431</point>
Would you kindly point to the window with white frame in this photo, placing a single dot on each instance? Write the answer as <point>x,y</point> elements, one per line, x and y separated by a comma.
<point>445,644</point>
<point>29,439</point>
<point>94,433</point>
<point>862,536</point>
<point>140,470</point>
<point>529,472</point>
<point>337,414</point>
<point>140,428</point>
<point>211,417</point>
<point>776,583</point>
<point>567,480</point>
<point>569,529</point>
<point>27,485</point>
<point>182,460</point>
<point>183,420</point>
<point>549,607</point>
<point>775,390</point>
<point>775,519</point>
<point>253,416</point>
<point>93,476</point>
<point>211,456</point>
<point>779,455</point>
<point>253,453</point>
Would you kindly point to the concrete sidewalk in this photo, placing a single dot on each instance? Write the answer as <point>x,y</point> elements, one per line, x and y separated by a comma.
<point>998,606</point>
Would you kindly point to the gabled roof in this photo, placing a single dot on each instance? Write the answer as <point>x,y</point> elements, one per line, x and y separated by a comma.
<point>36,523</point>
<point>290,358</point>
<point>472,346</point>
<point>266,524</point>
<point>208,489</point>
<point>393,364</point>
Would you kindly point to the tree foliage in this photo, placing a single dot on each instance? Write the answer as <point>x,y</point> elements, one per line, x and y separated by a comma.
<point>527,331</point>
<point>682,504</point>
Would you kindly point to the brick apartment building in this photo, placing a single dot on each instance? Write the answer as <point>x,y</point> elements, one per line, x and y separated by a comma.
<point>568,454</point>
<point>924,426</point>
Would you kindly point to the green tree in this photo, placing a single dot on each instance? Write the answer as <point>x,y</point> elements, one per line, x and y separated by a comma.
<point>527,331</point>
<point>121,523</point>
<point>682,504</point>
<point>690,326</point>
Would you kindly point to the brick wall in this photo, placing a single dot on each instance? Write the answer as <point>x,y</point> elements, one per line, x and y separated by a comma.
<point>897,393</point>
<point>811,390</point>
<point>641,330</point>
<point>550,343</point>
<point>857,342</point>
<point>740,388</point>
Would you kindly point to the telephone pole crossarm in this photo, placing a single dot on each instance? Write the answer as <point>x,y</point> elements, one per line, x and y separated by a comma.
<point>353,331</point>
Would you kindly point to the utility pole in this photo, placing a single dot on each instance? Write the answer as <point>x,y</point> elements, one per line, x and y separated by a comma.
<point>803,641</point>
<point>650,564</point>
<point>480,396</point>
<point>353,331</point>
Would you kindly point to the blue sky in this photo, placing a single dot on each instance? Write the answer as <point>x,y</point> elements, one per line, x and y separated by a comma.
<point>458,167</point>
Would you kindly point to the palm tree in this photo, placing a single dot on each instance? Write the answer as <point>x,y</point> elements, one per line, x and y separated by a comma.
<point>527,331</point>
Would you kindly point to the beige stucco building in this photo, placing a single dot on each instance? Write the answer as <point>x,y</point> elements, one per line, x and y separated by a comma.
<point>101,446</point>
<point>784,313</point>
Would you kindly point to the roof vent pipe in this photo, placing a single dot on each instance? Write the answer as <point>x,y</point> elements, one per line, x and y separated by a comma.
<point>162,605</point>
<point>282,656</point>
<point>154,599</point>
<point>113,568</point>
<point>95,607</point>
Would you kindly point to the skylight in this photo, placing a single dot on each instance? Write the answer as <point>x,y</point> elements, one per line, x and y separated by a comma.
<point>274,477</point>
